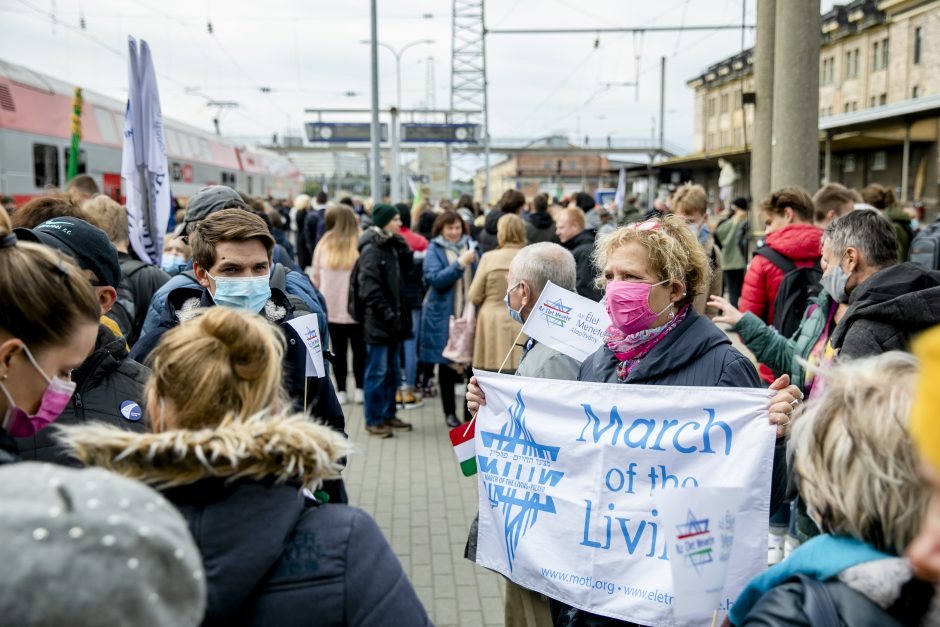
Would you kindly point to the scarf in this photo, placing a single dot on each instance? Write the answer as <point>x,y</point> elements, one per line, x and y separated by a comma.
<point>629,349</point>
<point>821,558</point>
<point>452,251</point>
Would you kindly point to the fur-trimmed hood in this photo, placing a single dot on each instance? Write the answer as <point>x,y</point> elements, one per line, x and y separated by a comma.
<point>264,446</point>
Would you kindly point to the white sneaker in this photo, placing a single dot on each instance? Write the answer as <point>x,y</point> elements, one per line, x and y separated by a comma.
<point>774,549</point>
<point>790,545</point>
<point>359,397</point>
<point>341,397</point>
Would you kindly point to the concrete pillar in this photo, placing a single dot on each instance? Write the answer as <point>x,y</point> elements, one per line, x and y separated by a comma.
<point>764,107</point>
<point>827,170</point>
<point>795,141</point>
<point>906,161</point>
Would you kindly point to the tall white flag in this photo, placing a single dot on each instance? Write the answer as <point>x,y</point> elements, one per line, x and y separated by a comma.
<point>143,163</point>
<point>621,190</point>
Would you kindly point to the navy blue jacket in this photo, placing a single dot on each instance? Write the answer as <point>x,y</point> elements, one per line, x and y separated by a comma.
<point>441,276</point>
<point>272,557</point>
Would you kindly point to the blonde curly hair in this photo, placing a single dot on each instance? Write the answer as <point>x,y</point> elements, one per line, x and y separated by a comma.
<point>675,255</point>
<point>854,457</point>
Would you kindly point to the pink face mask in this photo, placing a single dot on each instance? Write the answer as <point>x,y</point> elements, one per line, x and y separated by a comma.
<point>628,305</point>
<point>55,399</point>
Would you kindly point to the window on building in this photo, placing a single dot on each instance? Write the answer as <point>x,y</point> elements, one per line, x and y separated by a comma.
<point>879,160</point>
<point>848,163</point>
<point>45,165</point>
<point>572,165</point>
<point>884,53</point>
<point>711,107</point>
<point>845,108</point>
<point>710,143</point>
<point>547,165</point>
<point>876,56</point>
<point>883,99</point>
<point>918,42</point>
<point>228,178</point>
<point>873,101</point>
<point>725,103</point>
<point>915,92</point>
<point>851,64</point>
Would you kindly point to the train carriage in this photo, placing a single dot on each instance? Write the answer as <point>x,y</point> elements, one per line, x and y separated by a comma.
<point>35,138</point>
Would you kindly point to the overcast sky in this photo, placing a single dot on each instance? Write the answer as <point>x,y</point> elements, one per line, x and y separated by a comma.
<point>308,53</point>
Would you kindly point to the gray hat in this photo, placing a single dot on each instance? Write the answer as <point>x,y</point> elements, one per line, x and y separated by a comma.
<point>208,200</point>
<point>88,547</point>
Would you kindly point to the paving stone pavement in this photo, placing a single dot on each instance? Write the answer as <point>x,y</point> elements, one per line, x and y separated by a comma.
<point>412,486</point>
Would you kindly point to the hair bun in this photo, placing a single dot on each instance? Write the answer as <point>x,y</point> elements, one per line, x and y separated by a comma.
<point>245,337</point>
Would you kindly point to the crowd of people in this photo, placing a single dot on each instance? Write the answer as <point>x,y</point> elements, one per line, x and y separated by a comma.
<point>185,478</point>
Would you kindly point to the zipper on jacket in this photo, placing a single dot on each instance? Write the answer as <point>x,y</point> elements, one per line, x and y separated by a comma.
<point>78,400</point>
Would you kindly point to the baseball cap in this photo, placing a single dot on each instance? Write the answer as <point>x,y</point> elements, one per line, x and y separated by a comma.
<point>88,245</point>
<point>208,200</point>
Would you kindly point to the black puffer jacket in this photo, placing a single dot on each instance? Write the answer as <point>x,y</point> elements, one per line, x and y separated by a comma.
<point>384,259</point>
<point>271,556</point>
<point>888,310</point>
<point>540,227</point>
<point>582,247</point>
<point>109,389</point>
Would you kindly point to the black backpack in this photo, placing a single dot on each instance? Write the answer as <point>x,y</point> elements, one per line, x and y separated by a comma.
<point>355,306</point>
<point>798,286</point>
<point>925,248</point>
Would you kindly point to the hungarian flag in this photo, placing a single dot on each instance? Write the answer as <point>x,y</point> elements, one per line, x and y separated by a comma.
<point>461,437</point>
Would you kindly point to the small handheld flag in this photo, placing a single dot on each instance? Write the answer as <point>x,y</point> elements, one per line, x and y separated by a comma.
<point>462,438</point>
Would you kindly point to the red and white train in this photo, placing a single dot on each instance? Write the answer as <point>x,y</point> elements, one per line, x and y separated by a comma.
<point>35,137</point>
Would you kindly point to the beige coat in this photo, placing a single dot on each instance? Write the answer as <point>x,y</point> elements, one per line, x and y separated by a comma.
<point>495,331</point>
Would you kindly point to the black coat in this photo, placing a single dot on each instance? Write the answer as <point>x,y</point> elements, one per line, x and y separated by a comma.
<point>888,310</point>
<point>695,353</point>
<point>272,557</point>
<point>383,262</point>
<point>313,228</point>
<point>488,238</point>
<point>540,227</point>
<point>142,281</point>
<point>582,247</point>
<point>107,382</point>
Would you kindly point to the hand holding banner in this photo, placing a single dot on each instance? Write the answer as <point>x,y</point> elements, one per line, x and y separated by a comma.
<point>307,329</point>
<point>570,323</point>
<point>571,476</point>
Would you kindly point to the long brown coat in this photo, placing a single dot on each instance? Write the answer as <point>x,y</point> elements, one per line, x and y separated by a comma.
<point>495,329</point>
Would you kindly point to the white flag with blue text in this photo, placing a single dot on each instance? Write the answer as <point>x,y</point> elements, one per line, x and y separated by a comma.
<point>571,476</point>
<point>621,194</point>
<point>570,323</point>
<point>143,163</point>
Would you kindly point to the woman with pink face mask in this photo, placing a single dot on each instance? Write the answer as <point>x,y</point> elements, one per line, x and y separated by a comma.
<point>651,273</point>
<point>48,327</point>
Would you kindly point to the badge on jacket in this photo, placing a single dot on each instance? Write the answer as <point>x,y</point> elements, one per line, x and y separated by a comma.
<point>131,411</point>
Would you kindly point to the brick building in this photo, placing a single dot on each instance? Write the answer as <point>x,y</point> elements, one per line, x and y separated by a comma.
<point>879,103</point>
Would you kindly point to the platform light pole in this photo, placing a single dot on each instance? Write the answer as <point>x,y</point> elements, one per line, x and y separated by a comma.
<point>394,136</point>
<point>375,128</point>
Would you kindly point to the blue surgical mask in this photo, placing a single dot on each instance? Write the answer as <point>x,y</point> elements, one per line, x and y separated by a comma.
<point>248,293</point>
<point>513,313</point>
<point>173,264</point>
<point>835,280</point>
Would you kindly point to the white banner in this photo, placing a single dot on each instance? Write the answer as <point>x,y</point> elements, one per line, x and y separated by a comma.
<point>570,475</point>
<point>570,323</point>
<point>143,162</point>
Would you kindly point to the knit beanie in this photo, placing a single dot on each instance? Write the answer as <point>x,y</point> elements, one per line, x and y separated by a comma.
<point>925,414</point>
<point>382,214</point>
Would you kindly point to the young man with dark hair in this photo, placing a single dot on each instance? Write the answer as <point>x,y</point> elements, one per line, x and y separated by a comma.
<point>539,226</point>
<point>232,251</point>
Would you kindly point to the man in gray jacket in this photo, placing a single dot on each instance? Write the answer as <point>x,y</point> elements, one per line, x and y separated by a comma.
<point>530,271</point>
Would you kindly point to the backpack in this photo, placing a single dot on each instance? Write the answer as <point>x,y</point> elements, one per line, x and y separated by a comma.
<point>925,248</point>
<point>355,306</point>
<point>798,287</point>
<point>744,238</point>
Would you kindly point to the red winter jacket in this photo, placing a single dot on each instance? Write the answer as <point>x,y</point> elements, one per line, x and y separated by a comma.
<point>801,243</point>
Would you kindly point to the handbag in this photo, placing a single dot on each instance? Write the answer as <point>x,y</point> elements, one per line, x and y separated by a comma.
<point>461,332</point>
